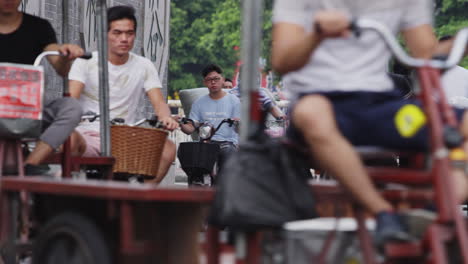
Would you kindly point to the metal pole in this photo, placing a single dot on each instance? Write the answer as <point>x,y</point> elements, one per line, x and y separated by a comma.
<point>101,9</point>
<point>251,39</point>
<point>65,39</point>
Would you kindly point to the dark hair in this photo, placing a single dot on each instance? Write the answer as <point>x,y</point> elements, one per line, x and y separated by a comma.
<point>446,37</point>
<point>120,12</point>
<point>227,80</point>
<point>211,68</point>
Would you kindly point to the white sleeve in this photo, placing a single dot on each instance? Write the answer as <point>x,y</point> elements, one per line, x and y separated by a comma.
<point>417,13</point>
<point>151,77</point>
<point>298,12</point>
<point>78,71</point>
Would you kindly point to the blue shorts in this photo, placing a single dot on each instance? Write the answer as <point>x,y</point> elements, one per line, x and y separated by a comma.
<point>380,119</point>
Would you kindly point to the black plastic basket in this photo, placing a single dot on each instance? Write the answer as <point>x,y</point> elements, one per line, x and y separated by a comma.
<point>197,157</point>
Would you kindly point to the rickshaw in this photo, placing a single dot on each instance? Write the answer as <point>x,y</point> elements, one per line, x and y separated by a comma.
<point>445,240</point>
<point>73,220</point>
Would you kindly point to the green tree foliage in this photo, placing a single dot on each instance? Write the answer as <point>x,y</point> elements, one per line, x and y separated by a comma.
<point>451,16</point>
<point>203,32</point>
<point>206,31</point>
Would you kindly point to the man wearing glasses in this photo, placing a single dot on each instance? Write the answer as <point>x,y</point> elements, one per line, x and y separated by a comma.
<point>213,108</point>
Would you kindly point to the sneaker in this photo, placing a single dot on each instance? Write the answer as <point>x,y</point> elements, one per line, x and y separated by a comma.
<point>389,228</point>
<point>417,221</point>
<point>35,170</point>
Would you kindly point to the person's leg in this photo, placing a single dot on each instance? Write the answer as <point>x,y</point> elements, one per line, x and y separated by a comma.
<point>60,118</point>
<point>86,143</point>
<point>167,157</point>
<point>314,117</point>
<point>225,150</point>
<point>78,144</point>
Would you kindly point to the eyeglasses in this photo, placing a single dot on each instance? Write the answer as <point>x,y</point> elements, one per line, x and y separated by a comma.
<point>215,79</point>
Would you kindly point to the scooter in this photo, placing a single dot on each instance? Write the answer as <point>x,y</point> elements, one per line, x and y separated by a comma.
<point>198,159</point>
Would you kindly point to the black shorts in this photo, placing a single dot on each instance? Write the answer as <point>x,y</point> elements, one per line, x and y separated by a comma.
<point>380,119</point>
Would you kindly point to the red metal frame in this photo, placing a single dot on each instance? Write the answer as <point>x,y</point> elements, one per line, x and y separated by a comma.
<point>450,224</point>
<point>117,194</point>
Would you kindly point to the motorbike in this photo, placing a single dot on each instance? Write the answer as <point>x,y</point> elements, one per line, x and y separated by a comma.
<point>199,159</point>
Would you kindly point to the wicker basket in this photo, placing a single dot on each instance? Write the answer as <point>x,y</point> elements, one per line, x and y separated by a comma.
<point>137,150</point>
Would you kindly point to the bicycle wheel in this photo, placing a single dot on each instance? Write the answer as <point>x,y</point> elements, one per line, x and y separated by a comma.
<point>70,238</point>
<point>8,250</point>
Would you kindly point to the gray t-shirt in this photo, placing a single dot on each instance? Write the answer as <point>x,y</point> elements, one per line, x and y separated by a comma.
<point>352,63</point>
<point>205,109</point>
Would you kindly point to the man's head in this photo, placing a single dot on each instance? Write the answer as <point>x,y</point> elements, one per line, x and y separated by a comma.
<point>213,78</point>
<point>227,83</point>
<point>121,32</point>
<point>9,6</point>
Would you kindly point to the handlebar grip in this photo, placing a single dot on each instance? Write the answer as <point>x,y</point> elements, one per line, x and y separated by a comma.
<point>153,121</point>
<point>87,55</point>
<point>185,120</point>
<point>117,120</point>
<point>354,27</point>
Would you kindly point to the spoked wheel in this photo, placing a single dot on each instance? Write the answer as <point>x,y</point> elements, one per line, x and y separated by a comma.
<point>73,239</point>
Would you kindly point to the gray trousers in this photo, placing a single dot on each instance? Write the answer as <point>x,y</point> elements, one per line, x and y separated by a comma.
<point>60,117</point>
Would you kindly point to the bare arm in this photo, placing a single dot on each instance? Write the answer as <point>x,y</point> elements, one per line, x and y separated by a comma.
<point>62,64</point>
<point>444,47</point>
<point>292,45</point>
<point>162,109</point>
<point>76,88</point>
<point>422,42</point>
<point>187,128</point>
<point>276,112</point>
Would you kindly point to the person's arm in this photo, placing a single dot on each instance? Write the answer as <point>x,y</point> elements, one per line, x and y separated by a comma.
<point>62,64</point>
<point>187,128</point>
<point>276,112</point>
<point>75,88</point>
<point>236,114</point>
<point>421,41</point>
<point>77,77</point>
<point>444,47</point>
<point>195,115</point>
<point>292,45</point>
<point>161,108</point>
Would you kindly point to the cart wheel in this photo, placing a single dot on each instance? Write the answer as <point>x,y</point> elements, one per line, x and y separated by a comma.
<point>8,250</point>
<point>70,238</point>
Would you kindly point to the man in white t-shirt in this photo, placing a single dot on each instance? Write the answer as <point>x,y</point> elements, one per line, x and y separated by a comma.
<point>455,84</point>
<point>130,77</point>
<point>342,94</point>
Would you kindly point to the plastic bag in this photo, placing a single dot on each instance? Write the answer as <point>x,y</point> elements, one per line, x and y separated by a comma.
<point>263,185</point>
<point>21,91</point>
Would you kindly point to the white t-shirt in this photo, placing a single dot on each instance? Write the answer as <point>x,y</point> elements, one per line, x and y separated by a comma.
<point>353,63</point>
<point>127,84</point>
<point>455,84</point>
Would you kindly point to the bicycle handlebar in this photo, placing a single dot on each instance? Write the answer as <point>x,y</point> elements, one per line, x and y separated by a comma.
<point>230,121</point>
<point>227,120</point>
<point>37,61</point>
<point>454,57</point>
